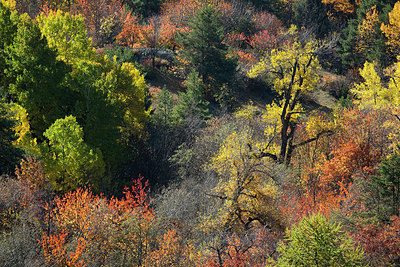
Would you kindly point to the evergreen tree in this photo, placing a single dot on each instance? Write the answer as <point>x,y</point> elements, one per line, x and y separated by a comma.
<point>317,242</point>
<point>144,8</point>
<point>312,14</point>
<point>191,102</point>
<point>204,49</point>
<point>383,190</point>
<point>163,114</point>
<point>389,171</point>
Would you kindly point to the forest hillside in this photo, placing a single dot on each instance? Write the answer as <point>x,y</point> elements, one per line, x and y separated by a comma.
<point>199,133</point>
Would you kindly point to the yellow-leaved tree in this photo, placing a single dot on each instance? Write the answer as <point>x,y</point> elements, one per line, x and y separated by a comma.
<point>343,6</point>
<point>368,31</point>
<point>392,29</point>
<point>372,93</point>
<point>245,187</point>
<point>24,139</point>
<point>9,3</point>
<point>294,69</point>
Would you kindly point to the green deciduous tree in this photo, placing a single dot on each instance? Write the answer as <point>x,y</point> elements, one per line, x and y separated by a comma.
<point>67,34</point>
<point>111,108</point>
<point>9,154</point>
<point>52,71</point>
<point>99,116</point>
<point>317,242</point>
<point>125,89</point>
<point>8,28</point>
<point>68,161</point>
<point>110,97</point>
<point>35,77</point>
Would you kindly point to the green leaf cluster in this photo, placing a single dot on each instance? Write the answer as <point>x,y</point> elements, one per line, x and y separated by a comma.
<point>164,111</point>
<point>69,162</point>
<point>191,104</point>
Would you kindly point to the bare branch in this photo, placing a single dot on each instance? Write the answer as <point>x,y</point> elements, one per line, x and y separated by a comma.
<point>327,132</point>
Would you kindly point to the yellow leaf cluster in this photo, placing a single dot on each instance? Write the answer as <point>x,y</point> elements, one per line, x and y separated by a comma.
<point>317,123</point>
<point>372,93</point>
<point>272,117</point>
<point>294,68</point>
<point>287,60</point>
<point>295,71</point>
<point>131,94</point>
<point>367,30</point>
<point>231,154</point>
<point>344,6</point>
<point>22,129</point>
<point>247,112</point>
<point>246,189</point>
<point>9,3</point>
<point>392,30</point>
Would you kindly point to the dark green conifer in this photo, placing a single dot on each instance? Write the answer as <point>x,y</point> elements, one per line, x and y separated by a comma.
<point>163,113</point>
<point>191,102</point>
<point>383,190</point>
<point>203,47</point>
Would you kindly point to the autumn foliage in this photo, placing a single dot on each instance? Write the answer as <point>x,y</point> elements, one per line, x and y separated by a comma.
<point>281,147</point>
<point>381,242</point>
<point>248,250</point>
<point>175,16</point>
<point>340,7</point>
<point>55,252</point>
<point>95,223</point>
<point>391,30</point>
